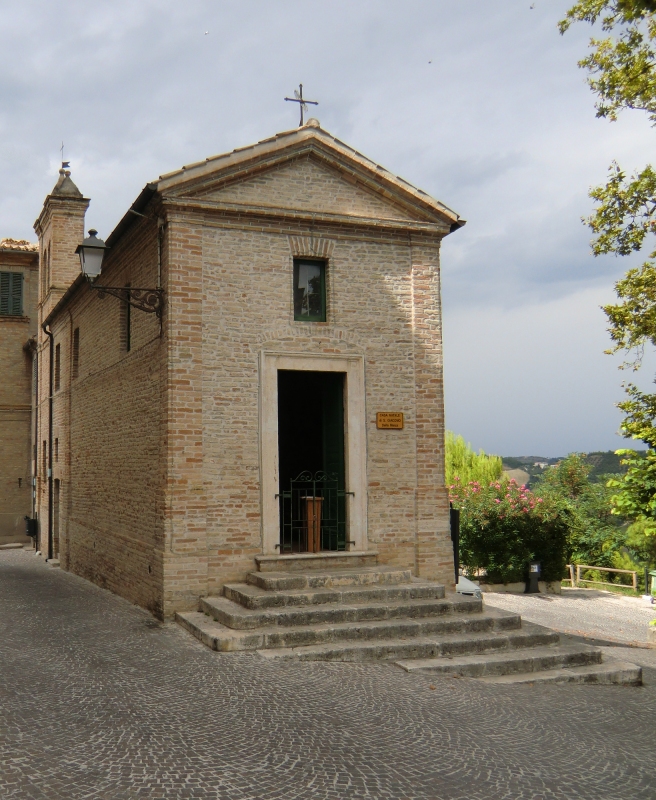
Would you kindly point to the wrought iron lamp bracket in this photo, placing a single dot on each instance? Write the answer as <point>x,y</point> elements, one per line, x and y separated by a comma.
<point>149,300</point>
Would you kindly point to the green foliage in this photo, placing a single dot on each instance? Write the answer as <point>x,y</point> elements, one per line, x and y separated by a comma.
<point>463,464</point>
<point>621,69</point>
<point>625,211</point>
<point>622,73</point>
<point>594,535</point>
<point>641,544</point>
<point>635,492</point>
<point>569,478</point>
<point>504,526</point>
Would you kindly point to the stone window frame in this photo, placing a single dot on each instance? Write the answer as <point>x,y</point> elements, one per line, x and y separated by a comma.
<point>323,264</point>
<point>355,439</point>
<point>309,247</point>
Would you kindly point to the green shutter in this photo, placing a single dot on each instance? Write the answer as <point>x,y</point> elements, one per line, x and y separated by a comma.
<point>5,283</point>
<point>16,301</point>
<point>11,293</point>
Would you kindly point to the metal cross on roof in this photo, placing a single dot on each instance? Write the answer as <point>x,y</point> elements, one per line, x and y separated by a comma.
<point>298,98</point>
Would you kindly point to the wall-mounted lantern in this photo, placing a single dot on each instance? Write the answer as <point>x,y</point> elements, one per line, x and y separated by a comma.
<point>91,252</point>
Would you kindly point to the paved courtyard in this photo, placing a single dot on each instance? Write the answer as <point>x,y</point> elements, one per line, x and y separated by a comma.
<point>98,700</point>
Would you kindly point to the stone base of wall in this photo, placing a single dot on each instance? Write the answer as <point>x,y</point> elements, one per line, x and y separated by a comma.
<point>125,566</point>
<point>12,527</point>
<point>545,587</point>
<point>14,538</point>
<point>184,578</point>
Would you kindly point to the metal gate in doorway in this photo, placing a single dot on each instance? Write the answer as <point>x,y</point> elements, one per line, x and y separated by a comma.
<point>313,514</point>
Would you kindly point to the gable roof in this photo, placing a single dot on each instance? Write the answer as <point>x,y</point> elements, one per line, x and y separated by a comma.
<point>197,179</point>
<point>200,178</point>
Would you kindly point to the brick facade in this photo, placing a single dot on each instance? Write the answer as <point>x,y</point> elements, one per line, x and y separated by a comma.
<point>160,453</point>
<point>16,333</point>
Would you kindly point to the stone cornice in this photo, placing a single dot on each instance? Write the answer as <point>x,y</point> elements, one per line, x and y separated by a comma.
<point>237,211</point>
<point>63,204</point>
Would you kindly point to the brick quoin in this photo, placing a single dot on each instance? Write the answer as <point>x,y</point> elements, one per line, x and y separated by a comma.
<point>159,466</point>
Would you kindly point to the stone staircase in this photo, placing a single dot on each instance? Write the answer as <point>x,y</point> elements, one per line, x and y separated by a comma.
<point>311,612</point>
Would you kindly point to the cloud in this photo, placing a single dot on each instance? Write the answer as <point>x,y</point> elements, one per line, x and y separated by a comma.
<point>534,379</point>
<point>500,126</point>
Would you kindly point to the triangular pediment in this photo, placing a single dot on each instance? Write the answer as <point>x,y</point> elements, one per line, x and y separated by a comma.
<point>305,184</point>
<point>306,171</point>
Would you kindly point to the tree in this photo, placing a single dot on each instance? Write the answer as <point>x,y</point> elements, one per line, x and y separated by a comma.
<point>464,465</point>
<point>622,73</point>
<point>594,536</point>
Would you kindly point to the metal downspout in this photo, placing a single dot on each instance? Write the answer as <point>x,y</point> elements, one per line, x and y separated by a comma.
<point>50,335</point>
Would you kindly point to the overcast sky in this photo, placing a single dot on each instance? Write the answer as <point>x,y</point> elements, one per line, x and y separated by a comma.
<point>478,102</point>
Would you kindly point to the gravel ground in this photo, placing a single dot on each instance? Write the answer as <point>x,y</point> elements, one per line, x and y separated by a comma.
<point>99,701</point>
<point>613,621</point>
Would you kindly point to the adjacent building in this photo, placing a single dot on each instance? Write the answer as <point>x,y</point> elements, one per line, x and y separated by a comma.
<point>19,273</point>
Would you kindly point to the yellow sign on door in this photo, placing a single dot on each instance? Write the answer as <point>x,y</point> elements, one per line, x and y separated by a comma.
<point>389,420</point>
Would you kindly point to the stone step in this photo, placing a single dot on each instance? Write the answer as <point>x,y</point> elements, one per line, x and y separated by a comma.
<point>321,561</point>
<point>320,579</point>
<point>522,661</point>
<point>255,597</point>
<point>414,647</point>
<point>609,672</point>
<point>468,631</point>
<point>235,616</point>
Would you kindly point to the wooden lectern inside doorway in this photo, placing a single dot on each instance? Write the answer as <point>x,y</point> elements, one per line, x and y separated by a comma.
<point>313,522</point>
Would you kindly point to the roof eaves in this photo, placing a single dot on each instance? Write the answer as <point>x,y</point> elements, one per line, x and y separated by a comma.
<point>128,219</point>
<point>219,156</point>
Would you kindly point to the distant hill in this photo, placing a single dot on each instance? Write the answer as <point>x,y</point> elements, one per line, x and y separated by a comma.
<point>603,463</point>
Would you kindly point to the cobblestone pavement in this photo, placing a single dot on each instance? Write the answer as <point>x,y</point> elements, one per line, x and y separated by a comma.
<point>98,700</point>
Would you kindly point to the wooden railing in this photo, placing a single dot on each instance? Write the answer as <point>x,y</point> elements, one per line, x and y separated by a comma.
<point>576,580</point>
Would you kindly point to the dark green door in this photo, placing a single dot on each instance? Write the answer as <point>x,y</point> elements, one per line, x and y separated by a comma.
<point>311,457</point>
<point>332,407</point>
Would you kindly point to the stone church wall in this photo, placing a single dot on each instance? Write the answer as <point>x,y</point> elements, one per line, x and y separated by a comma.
<point>383,302</point>
<point>107,429</point>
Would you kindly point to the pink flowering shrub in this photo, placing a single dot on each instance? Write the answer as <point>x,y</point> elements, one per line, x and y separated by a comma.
<point>505,526</point>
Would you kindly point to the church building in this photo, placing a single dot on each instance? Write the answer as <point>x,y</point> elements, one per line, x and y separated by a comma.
<point>253,376</point>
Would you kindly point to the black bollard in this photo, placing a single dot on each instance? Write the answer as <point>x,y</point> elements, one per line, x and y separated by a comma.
<point>534,570</point>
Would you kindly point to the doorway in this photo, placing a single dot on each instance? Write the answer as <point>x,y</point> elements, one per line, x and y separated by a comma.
<point>311,491</point>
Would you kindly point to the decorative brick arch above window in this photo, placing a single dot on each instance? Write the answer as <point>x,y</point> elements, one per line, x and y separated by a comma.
<point>311,247</point>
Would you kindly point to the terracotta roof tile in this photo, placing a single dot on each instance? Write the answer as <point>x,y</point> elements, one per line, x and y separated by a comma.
<point>18,244</point>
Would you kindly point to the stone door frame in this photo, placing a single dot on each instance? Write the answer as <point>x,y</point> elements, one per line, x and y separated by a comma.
<point>355,443</point>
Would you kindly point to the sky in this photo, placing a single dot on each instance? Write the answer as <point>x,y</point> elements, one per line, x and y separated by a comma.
<point>480,103</point>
